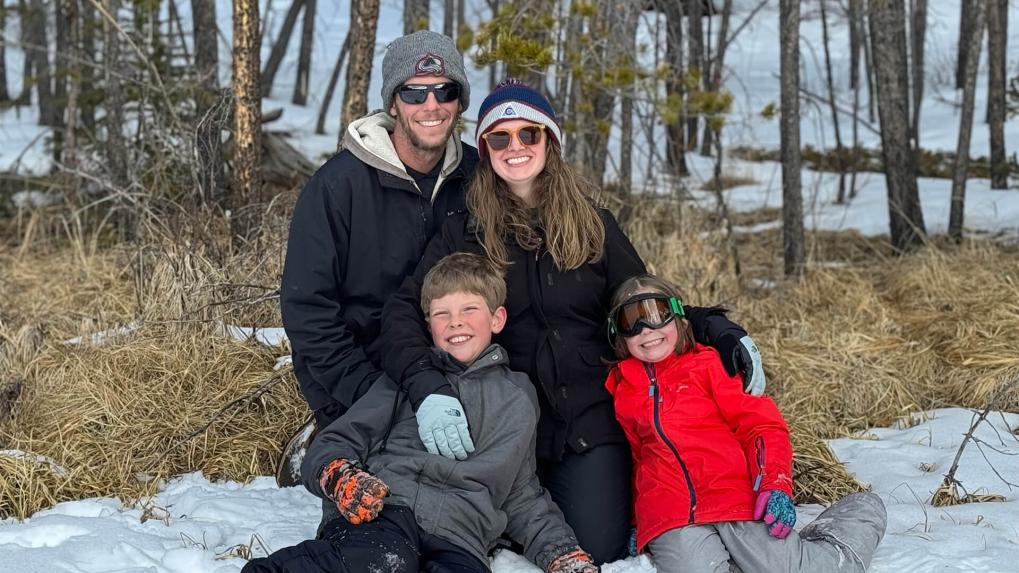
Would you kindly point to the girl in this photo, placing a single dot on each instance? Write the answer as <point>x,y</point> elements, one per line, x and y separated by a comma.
<point>531,213</point>
<point>711,462</point>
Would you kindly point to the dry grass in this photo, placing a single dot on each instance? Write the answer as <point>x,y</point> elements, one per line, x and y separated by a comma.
<point>121,414</point>
<point>863,340</point>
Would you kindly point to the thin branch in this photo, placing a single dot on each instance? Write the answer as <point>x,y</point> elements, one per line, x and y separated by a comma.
<point>237,405</point>
<point>950,479</point>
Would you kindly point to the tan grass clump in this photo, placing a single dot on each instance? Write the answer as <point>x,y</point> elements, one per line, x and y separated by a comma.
<point>28,485</point>
<point>159,402</point>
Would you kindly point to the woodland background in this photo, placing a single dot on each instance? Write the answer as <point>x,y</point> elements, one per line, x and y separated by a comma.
<point>146,218</point>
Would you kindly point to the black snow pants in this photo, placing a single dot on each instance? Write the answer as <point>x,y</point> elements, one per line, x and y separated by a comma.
<point>393,543</point>
<point>593,491</point>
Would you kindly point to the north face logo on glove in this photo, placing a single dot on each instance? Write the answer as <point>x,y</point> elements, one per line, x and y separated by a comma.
<point>453,412</point>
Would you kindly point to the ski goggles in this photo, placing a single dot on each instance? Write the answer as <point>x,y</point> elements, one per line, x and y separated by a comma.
<point>651,310</point>
<point>527,135</point>
<point>416,94</point>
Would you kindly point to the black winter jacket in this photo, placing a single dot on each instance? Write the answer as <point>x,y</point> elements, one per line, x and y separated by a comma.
<point>359,228</point>
<point>555,333</point>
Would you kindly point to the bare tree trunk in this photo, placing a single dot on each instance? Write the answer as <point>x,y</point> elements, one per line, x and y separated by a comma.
<point>717,65</point>
<point>247,148</point>
<point>493,75</point>
<point>415,15</point>
<point>208,133</point>
<point>203,14</point>
<point>364,18</point>
<point>675,140</point>
<point>5,94</point>
<point>871,73</point>
<point>72,20</point>
<point>612,21</point>
<point>888,42</point>
<point>279,49</point>
<point>449,18</point>
<point>38,51</point>
<point>304,54</point>
<point>320,126</point>
<point>839,151</point>
<point>629,33</point>
<point>965,32</point>
<point>997,39</point>
<point>25,19</point>
<point>955,215</point>
<point>919,31</point>
<point>175,21</point>
<point>59,81</point>
<point>792,195</point>
<point>855,16</point>
<point>113,102</point>
<point>695,62</point>
<point>856,39</point>
<point>88,54</point>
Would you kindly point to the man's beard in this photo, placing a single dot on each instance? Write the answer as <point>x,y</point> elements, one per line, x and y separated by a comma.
<point>412,136</point>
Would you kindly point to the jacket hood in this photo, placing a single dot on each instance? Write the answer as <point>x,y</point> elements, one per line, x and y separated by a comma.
<point>369,139</point>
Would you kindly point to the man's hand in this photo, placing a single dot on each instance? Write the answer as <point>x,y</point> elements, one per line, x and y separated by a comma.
<point>442,426</point>
<point>357,493</point>
<point>573,560</point>
<point>749,358</point>
<point>742,355</point>
<point>776,510</point>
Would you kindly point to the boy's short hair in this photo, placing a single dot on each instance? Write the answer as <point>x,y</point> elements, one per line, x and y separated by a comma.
<point>464,272</point>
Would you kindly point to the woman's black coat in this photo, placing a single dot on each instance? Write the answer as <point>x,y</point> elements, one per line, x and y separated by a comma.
<point>555,333</point>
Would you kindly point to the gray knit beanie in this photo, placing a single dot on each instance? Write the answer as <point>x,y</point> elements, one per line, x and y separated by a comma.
<point>423,53</point>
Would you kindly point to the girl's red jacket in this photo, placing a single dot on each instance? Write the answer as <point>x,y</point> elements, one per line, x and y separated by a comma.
<point>702,448</point>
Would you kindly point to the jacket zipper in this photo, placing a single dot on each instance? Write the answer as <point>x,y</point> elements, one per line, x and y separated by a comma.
<point>653,391</point>
<point>759,442</point>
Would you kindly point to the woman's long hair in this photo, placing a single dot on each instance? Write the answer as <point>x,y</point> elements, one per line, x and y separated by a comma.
<point>574,232</point>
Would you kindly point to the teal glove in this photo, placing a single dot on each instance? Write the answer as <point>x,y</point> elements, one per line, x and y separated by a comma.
<point>442,426</point>
<point>777,510</point>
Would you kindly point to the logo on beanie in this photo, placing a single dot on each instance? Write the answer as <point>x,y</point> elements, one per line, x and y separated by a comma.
<point>430,65</point>
<point>509,111</point>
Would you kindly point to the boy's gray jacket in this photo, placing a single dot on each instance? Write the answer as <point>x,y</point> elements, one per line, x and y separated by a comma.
<point>469,503</point>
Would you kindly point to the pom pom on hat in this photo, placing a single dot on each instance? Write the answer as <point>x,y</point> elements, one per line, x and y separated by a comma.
<point>513,99</point>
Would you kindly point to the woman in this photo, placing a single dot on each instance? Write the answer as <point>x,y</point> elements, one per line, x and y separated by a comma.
<point>532,214</point>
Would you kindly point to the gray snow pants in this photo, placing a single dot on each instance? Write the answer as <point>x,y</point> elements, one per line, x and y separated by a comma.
<point>841,540</point>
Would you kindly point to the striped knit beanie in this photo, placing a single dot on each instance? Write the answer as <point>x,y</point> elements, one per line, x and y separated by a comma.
<point>510,100</point>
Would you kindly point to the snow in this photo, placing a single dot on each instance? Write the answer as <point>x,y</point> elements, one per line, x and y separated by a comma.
<point>194,525</point>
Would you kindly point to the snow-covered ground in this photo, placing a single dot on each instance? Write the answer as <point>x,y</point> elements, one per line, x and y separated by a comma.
<point>193,525</point>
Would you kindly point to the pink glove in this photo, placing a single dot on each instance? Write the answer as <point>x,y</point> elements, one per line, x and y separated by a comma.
<point>777,510</point>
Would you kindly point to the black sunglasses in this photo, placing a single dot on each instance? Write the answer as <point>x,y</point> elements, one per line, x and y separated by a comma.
<point>649,310</point>
<point>416,94</point>
<point>526,134</point>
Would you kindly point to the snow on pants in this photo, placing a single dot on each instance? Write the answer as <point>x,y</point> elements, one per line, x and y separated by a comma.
<point>593,491</point>
<point>392,543</point>
<point>841,540</point>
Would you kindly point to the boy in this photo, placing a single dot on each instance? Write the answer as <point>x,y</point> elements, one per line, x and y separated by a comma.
<point>400,509</point>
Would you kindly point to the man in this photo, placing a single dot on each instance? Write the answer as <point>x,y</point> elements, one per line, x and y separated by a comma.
<point>362,222</point>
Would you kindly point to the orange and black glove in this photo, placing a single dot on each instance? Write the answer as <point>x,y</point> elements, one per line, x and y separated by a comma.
<point>572,560</point>
<point>357,493</point>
